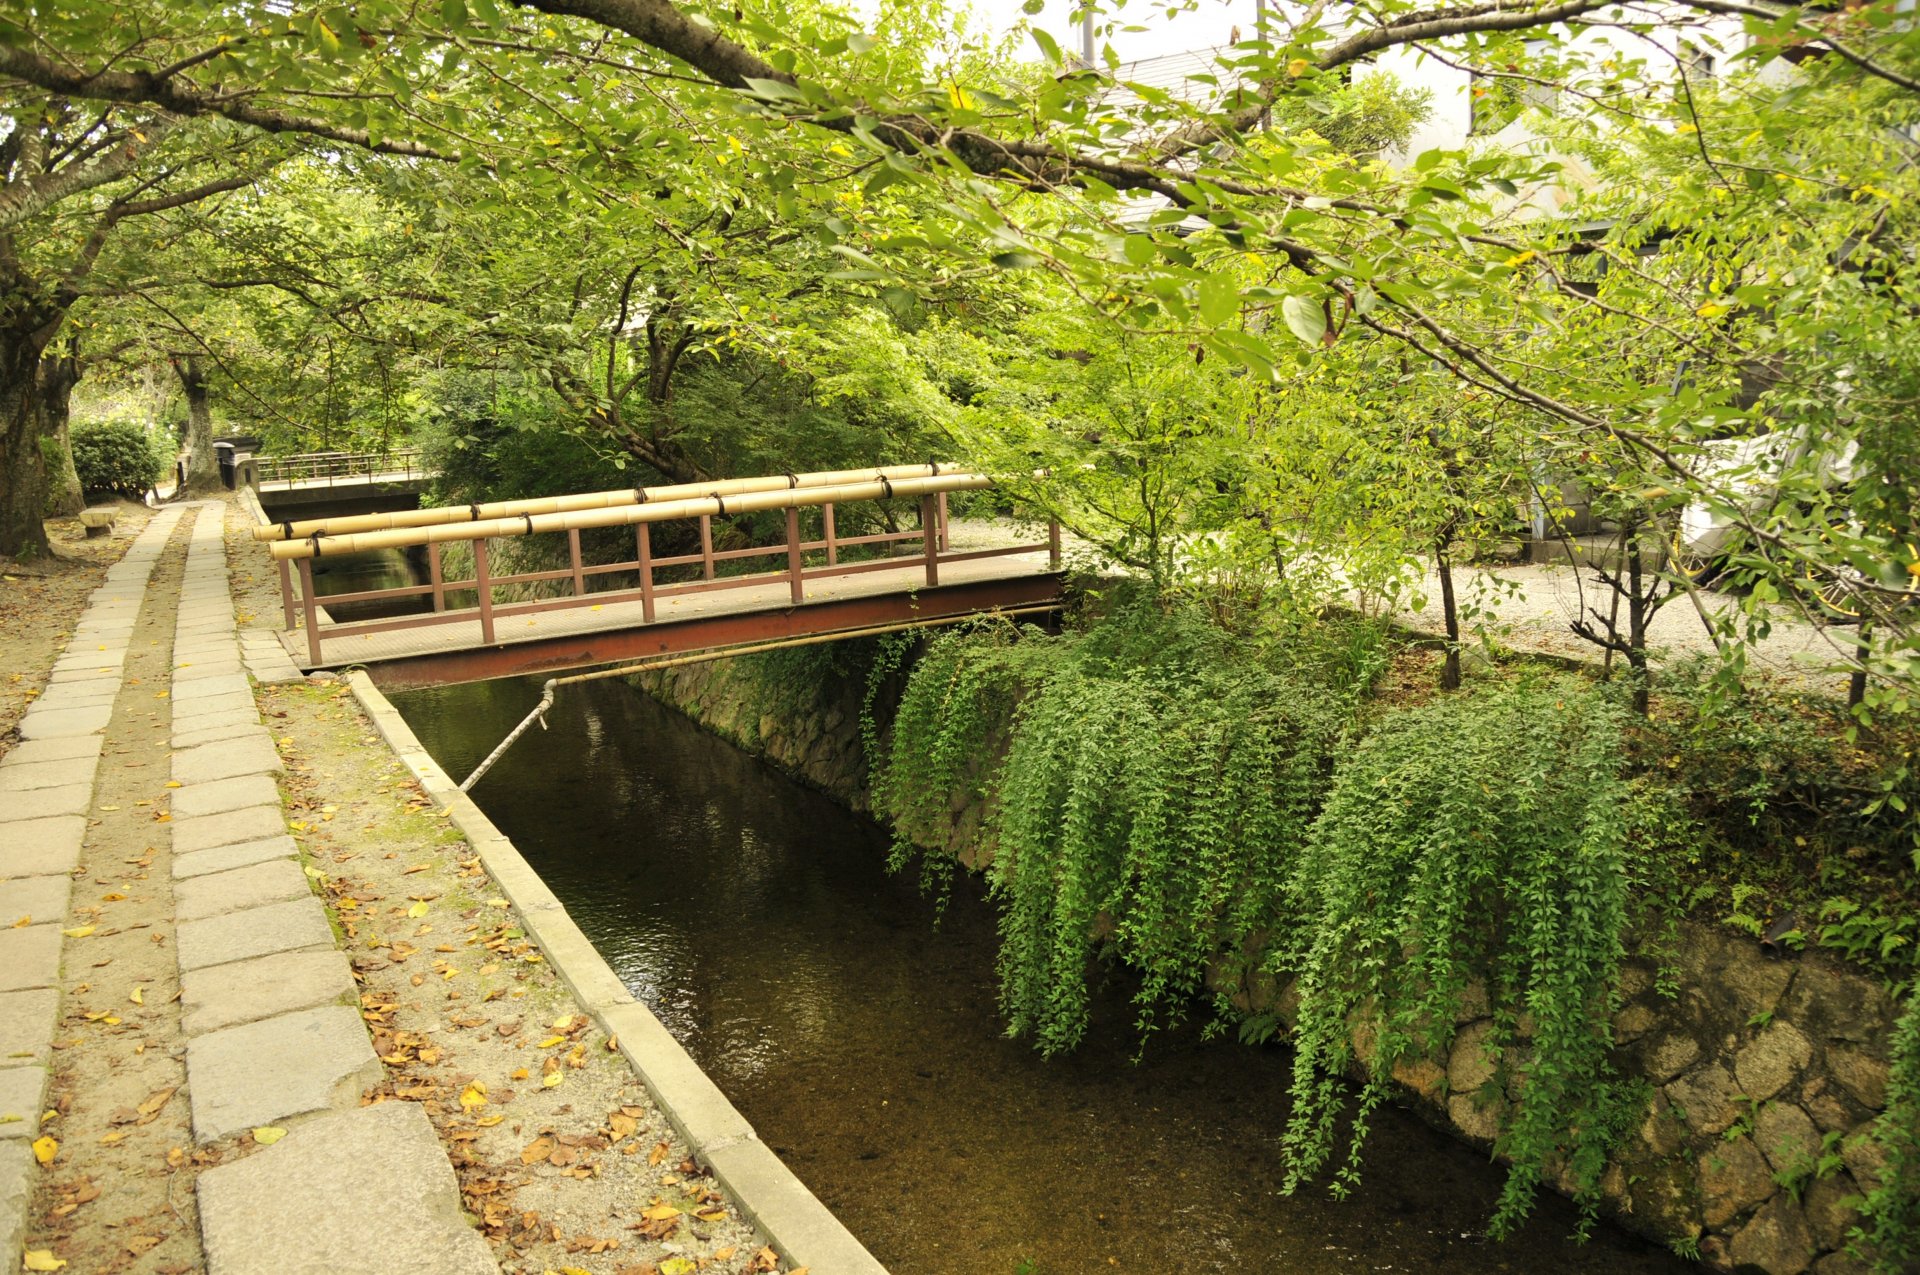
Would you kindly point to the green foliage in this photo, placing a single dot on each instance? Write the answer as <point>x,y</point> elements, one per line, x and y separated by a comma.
<point>1373,113</point>
<point>117,457</point>
<point>1891,1234</point>
<point>1482,836</point>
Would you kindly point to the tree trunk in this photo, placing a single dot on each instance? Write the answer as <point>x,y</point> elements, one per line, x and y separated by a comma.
<point>1639,614</point>
<point>23,472</point>
<point>203,470</point>
<point>1450,670</point>
<point>58,376</point>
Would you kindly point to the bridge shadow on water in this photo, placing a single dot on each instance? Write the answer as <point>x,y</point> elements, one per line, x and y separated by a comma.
<point>757,919</point>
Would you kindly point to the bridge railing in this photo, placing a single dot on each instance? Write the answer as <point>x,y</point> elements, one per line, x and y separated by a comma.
<point>331,467</point>
<point>296,546</point>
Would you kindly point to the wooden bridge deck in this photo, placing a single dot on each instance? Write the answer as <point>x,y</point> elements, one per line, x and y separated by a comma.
<point>585,635</point>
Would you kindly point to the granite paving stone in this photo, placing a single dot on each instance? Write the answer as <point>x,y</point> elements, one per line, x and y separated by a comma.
<point>184,715</point>
<point>238,855</point>
<point>55,723</point>
<point>229,826</point>
<point>20,776</point>
<point>258,1073</point>
<point>29,957</point>
<point>214,734</point>
<point>199,688</point>
<point>27,1020</point>
<point>239,888</point>
<point>41,847</point>
<point>17,1173</point>
<point>261,931</point>
<point>301,1207</point>
<point>38,899</point>
<point>22,1090</point>
<point>219,795</point>
<point>39,750</point>
<point>248,716</point>
<point>44,803</point>
<point>224,760</point>
<point>243,991</point>
<point>89,694</point>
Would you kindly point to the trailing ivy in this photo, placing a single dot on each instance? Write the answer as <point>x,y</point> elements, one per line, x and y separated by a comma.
<point>1480,836</point>
<point>1891,1235</point>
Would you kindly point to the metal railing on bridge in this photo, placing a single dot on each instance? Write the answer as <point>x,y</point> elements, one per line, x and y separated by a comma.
<point>297,544</point>
<point>328,468</point>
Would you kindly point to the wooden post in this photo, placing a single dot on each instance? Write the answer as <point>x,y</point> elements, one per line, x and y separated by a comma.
<point>435,577</point>
<point>1053,544</point>
<point>930,537</point>
<point>795,583</point>
<point>311,612</point>
<point>573,556</point>
<point>826,523</point>
<point>643,548</point>
<point>286,592</point>
<point>483,581</point>
<point>706,545</point>
<point>946,544</point>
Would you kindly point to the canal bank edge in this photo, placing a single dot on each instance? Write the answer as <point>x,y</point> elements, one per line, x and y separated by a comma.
<point>798,1226</point>
<point>1766,1072</point>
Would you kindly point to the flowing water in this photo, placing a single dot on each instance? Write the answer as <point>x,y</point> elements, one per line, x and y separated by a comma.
<point>863,1043</point>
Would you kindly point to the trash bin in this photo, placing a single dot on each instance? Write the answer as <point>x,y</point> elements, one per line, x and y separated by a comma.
<point>223,453</point>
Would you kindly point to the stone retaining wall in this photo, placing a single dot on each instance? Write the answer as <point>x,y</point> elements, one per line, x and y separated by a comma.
<point>1766,1073</point>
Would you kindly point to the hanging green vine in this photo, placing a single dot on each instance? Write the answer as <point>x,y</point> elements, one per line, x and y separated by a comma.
<point>1484,834</point>
<point>1891,1234</point>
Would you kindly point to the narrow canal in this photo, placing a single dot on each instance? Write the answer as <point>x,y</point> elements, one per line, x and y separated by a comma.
<point>757,919</point>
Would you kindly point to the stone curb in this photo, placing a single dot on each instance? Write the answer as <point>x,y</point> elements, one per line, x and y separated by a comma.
<point>800,1228</point>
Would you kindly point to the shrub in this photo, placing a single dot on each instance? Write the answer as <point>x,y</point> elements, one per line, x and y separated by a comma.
<point>117,457</point>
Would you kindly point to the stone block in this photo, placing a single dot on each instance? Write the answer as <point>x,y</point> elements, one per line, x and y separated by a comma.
<point>220,795</point>
<point>238,855</point>
<point>261,1073</point>
<point>249,823</point>
<point>1667,1056</point>
<point>1472,1117</point>
<point>22,1090</point>
<point>41,750</point>
<point>1828,1211</point>
<point>199,688</point>
<point>1786,1136</point>
<point>271,882</point>
<point>26,776</point>
<point>1468,1066</point>
<point>307,1205</point>
<point>261,931</point>
<point>44,803</point>
<point>58,723</point>
<point>29,957</point>
<point>245,991</point>
<point>31,900</point>
<point>1772,1060</point>
<point>41,847</point>
<point>1733,1178</point>
<point>27,1020</point>
<point>1860,1073</point>
<point>224,760</point>
<point>185,726</point>
<point>1777,1240</point>
<point>78,694</point>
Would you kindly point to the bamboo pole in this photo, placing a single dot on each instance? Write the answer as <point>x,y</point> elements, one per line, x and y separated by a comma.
<point>653,511</point>
<point>442,514</point>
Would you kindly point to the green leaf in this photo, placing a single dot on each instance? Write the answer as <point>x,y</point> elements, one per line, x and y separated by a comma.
<point>1219,299</point>
<point>1049,47</point>
<point>1305,319</point>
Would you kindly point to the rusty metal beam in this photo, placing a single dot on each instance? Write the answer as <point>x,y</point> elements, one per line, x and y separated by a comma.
<point>672,637</point>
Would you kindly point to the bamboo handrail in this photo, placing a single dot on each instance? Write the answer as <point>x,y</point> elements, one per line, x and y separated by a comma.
<point>529,523</point>
<point>440,515</point>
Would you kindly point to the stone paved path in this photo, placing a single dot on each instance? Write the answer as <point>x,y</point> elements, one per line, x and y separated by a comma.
<point>274,1037</point>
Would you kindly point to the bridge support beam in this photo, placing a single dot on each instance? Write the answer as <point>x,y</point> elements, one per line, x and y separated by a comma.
<point>672,637</point>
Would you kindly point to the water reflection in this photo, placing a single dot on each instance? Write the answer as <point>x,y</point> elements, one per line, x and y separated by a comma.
<point>863,1043</point>
<point>364,572</point>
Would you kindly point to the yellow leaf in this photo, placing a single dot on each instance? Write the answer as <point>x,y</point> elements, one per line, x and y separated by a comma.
<point>487,1122</point>
<point>552,1078</point>
<point>496,903</point>
<point>78,931</point>
<point>551,1041</point>
<point>563,1023</point>
<point>267,1135</point>
<point>474,1095</point>
<point>45,1148</point>
<point>173,783</point>
<point>660,1213</point>
<point>41,1259</point>
<point>677,1266</point>
<point>1711,310</point>
<point>138,996</point>
<point>417,911</point>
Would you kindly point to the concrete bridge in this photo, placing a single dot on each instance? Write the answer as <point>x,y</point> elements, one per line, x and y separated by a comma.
<point>314,479</point>
<point>582,613</point>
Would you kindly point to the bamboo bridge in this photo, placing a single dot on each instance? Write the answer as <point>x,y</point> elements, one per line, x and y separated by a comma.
<point>584,612</point>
